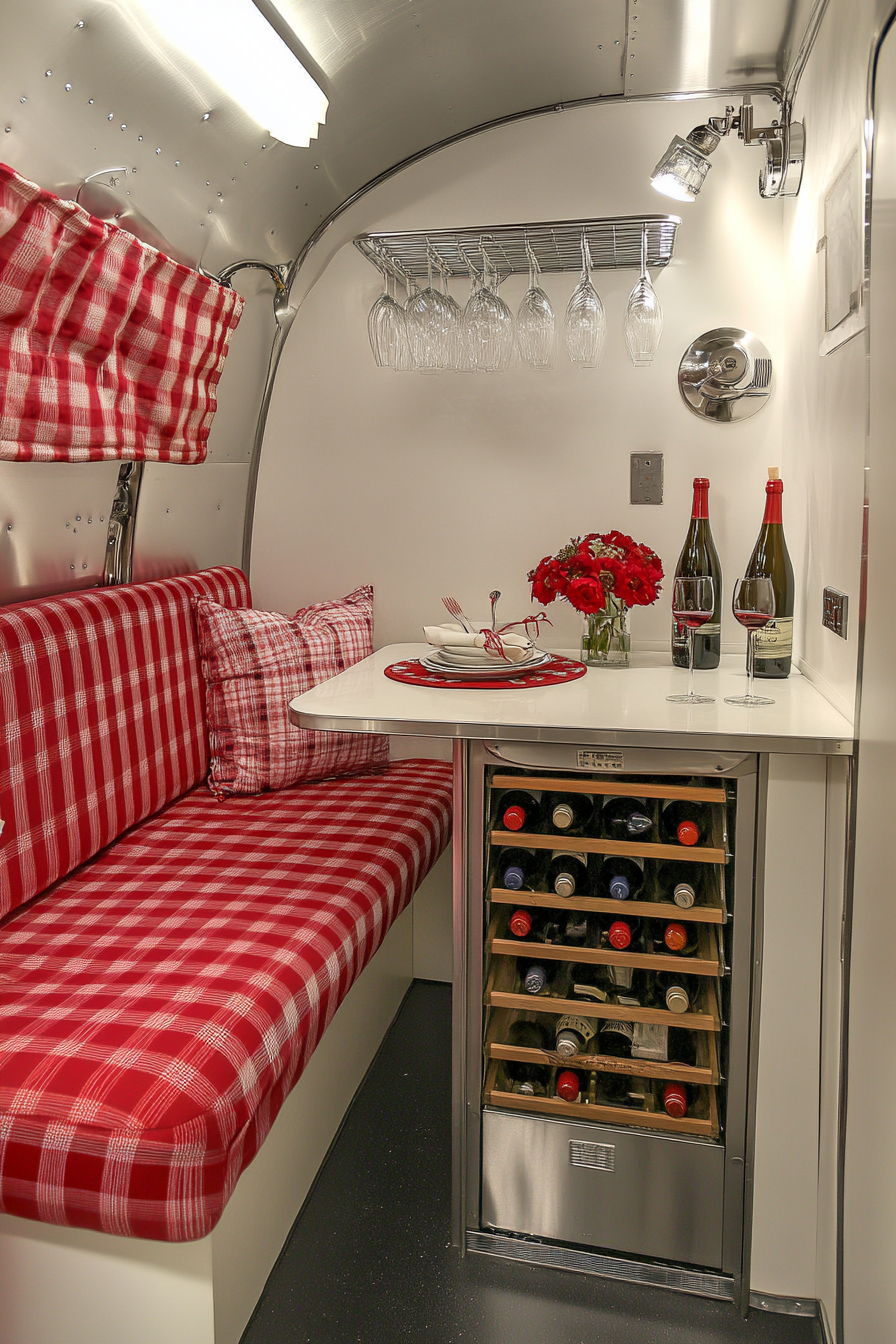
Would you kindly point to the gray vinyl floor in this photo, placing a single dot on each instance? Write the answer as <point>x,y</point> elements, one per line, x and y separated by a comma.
<point>368,1260</point>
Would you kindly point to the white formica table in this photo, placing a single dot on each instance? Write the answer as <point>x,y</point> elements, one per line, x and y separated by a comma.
<point>609,706</point>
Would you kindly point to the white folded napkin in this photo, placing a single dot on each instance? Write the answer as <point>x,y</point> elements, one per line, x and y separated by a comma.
<point>517,648</point>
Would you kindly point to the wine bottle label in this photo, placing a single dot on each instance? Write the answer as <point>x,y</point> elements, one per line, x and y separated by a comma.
<point>591,992</point>
<point>774,640</point>
<point>625,1001</point>
<point>621,976</point>
<point>650,1041</point>
<point>626,1029</point>
<point>570,854</point>
<point>582,1026</point>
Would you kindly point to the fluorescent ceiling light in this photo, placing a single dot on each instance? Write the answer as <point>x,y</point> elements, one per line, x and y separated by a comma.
<point>237,46</point>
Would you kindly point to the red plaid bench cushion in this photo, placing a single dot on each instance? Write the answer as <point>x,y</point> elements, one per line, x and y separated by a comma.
<point>102,719</point>
<point>158,1006</point>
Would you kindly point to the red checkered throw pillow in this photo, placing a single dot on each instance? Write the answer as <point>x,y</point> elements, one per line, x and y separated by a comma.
<point>254,663</point>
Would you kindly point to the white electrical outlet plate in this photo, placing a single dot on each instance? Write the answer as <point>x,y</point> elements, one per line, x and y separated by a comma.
<point>646,478</point>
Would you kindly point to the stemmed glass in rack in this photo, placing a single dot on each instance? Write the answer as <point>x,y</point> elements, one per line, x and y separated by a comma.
<point>387,329</point>
<point>535,322</point>
<point>432,323</point>
<point>643,321</point>
<point>754,607</point>
<point>488,326</point>
<point>693,601</point>
<point>586,322</point>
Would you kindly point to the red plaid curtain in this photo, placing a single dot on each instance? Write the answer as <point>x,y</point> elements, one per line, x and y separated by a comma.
<point>108,348</point>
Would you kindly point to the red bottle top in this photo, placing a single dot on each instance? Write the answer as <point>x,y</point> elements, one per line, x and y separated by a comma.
<point>514,818</point>
<point>675,937</point>
<point>568,1085</point>
<point>774,489</point>
<point>701,497</point>
<point>675,1100</point>
<point>620,934</point>
<point>688,832</point>
<point>520,923</point>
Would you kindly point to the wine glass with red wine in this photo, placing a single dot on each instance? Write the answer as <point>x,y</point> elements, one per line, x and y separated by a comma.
<point>754,607</point>
<point>693,600</point>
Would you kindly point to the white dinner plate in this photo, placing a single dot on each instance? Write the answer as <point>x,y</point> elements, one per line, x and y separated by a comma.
<point>435,663</point>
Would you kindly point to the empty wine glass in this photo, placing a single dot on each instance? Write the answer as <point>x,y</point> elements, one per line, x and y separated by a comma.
<point>488,327</point>
<point>693,601</point>
<point>586,322</point>
<point>454,325</point>
<point>430,319</point>
<point>643,322</point>
<point>387,329</point>
<point>753,606</point>
<point>535,322</point>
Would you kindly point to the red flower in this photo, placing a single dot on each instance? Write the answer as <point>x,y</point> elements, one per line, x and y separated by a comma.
<point>586,595</point>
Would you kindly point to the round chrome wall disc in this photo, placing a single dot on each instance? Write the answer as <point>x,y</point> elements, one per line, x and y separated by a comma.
<point>726,375</point>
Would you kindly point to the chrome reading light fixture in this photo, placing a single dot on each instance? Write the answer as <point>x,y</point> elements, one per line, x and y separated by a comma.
<point>682,170</point>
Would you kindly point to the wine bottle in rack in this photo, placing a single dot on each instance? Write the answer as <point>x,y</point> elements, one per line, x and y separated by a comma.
<point>681,883</point>
<point>528,1079</point>
<point>520,923</point>
<point>519,810</point>
<point>675,1100</point>
<point>568,1085</point>
<point>570,813</point>
<point>682,1047</point>
<point>616,1089</point>
<point>534,978</point>
<point>700,559</point>
<point>618,934</point>
<point>575,930</point>
<point>573,1034</point>
<point>621,877</point>
<point>616,1038</point>
<point>519,869</point>
<point>773,643</point>
<point>675,992</point>
<point>678,938</point>
<point>685,823</point>
<point>627,818</point>
<point>568,873</point>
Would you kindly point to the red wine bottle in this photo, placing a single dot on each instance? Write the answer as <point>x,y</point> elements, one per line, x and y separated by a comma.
<point>773,643</point>
<point>568,1085</point>
<point>675,1100</point>
<point>685,823</point>
<point>520,923</point>
<point>519,810</point>
<point>699,559</point>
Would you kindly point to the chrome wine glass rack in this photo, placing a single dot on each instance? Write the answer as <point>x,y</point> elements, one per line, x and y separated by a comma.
<point>508,249</point>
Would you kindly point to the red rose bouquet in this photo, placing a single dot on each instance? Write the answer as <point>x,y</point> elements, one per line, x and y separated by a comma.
<point>601,575</point>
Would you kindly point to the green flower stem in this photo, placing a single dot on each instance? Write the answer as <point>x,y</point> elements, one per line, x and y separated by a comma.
<point>606,640</point>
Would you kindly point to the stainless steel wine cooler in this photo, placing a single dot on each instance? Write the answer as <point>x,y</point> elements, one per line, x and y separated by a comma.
<point>617,1179</point>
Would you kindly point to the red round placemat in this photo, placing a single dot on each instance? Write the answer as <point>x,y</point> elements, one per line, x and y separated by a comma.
<point>549,674</point>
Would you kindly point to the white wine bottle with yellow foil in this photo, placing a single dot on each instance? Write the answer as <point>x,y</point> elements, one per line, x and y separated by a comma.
<point>770,560</point>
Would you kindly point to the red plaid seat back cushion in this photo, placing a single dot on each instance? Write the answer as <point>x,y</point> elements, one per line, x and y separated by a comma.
<point>101,719</point>
<point>255,662</point>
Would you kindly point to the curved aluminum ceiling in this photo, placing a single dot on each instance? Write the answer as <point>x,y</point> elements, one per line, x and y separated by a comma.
<point>401,75</point>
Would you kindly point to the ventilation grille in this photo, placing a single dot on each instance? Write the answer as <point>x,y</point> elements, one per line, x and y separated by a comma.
<point>601,1156</point>
<point>702,1284</point>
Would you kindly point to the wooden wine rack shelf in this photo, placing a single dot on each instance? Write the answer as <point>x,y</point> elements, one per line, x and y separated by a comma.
<point>703,1119</point>
<point>631,849</point>
<point>705,963</point>
<point>608,788</point>
<point>501,992</point>
<point>705,1072</point>
<point>701,914</point>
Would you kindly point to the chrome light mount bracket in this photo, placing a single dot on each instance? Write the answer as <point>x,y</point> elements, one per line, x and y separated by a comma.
<point>726,375</point>
<point>784,143</point>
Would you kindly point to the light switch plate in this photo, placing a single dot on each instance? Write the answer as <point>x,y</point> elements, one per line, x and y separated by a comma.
<point>646,478</point>
<point>836,609</point>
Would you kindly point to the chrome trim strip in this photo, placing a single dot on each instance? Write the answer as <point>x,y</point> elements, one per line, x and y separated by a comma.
<point>486,732</point>
<point>678,1278</point>
<point>459,864</point>
<point>784,1306</point>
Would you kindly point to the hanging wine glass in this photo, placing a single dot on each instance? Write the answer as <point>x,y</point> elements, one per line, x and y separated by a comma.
<point>453,330</point>
<point>488,326</point>
<point>643,322</point>
<point>535,322</point>
<point>429,319</point>
<point>387,329</point>
<point>586,322</point>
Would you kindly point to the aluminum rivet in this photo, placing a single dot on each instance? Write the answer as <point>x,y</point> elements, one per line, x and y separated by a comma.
<point>90,102</point>
<point>9,525</point>
<point>68,524</point>
<point>68,88</point>
<point>111,116</point>
<point>71,566</point>
<point>7,129</point>
<point>206,115</point>
<point>84,565</point>
<point>80,23</point>
<point>207,183</point>
<point>47,74</point>
<point>158,151</point>
<point>209,211</point>
<point>77,517</point>
<point>139,137</point>
<point>102,519</point>
<point>177,163</point>
<point>124,126</point>
<point>220,193</point>
<point>23,100</point>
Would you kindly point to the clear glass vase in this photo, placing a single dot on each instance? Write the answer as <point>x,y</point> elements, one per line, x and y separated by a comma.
<point>606,639</point>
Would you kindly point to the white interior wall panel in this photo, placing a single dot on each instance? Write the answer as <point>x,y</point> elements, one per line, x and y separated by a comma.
<point>870,1172</point>
<point>825,396</point>
<point>459,483</point>
<point>54,519</point>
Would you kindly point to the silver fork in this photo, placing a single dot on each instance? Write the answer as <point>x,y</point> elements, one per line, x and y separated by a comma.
<point>452,606</point>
